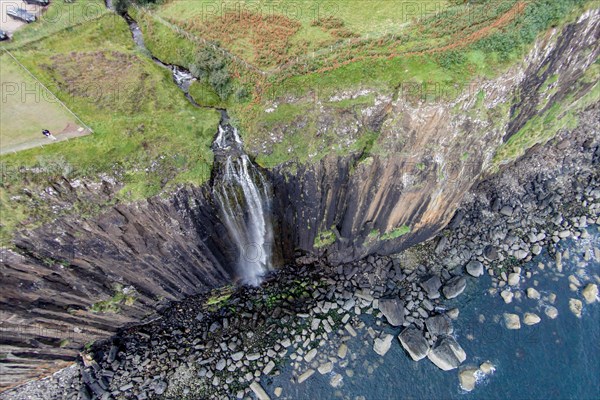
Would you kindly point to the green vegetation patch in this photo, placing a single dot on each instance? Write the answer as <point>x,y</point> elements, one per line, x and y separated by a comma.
<point>324,239</point>
<point>396,232</point>
<point>123,296</point>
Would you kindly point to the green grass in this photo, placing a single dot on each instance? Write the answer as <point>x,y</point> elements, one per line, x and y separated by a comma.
<point>324,239</point>
<point>145,131</point>
<point>204,94</point>
<point>218,298</point>
<point>396,232</point>
<point>122,296</point>
<point>163,42</point>
<point>27,108</point>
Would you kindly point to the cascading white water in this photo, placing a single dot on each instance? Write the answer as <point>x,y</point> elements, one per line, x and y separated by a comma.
<point>244,198</point>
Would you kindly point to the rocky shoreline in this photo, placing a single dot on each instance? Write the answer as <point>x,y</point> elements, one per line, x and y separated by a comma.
<point>231,342</point>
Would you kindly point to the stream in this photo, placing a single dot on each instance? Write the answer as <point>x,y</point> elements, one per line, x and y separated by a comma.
<point>182,77</point>
<point>241,191</point>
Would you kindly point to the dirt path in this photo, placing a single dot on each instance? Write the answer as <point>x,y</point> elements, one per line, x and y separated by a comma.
<point>69,132</point>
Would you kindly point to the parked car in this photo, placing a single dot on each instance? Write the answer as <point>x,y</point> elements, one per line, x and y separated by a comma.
<point>42,3</point>
<point>3,35</point>
<point>21,14</point>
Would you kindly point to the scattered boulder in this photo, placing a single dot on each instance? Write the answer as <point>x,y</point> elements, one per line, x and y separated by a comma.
<point>414,342</point>
<point>533,294</point>
<point>490,252</point>
<point>441,244</point>
<point>487,368</point>
<point>342,351</point>
<point>521,254</point>
<point>512,321</point>
<point>531,319</point>
<point>590,293</point>
<point>310,355</point>
<point>551,312</point>
<point>474,268</point>
<point>259,391</point>
<point>383,344</point>
<point>507,211</point>
<point>467,378</point>
<point>454,287</point>
<point>447,354</point>
<point>393,310</point>
<point>432,287</point>
<point>576,306</point>
<point>453,313</point>
<point>269,367</point>
<point>507,295</point>
<point>325,368</point>
<point>160,387</point>
<point>336,380</point>
<point>513,279</point>
<point>306,375</point>
<point>439,325</point>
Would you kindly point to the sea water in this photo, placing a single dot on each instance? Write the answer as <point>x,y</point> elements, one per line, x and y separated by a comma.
<point>555,359</point>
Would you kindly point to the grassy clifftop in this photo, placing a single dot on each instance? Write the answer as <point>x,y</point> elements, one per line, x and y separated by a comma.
<point>308,52</point>
<point>145,132</point>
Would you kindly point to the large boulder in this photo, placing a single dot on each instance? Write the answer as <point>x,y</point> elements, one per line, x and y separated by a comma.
<point>393,309</point>
<point>432,287</point>
<point>590,293</point>
<point>531,319</point>
<point>490,252</point>
<point>467,377</point>
<point>512,321</point>
<point>447,354</point>
<point>576,306</point>
<point>439,325</point>
<point>414,342</point>
<point>454,287</point>
<point>474,268</point>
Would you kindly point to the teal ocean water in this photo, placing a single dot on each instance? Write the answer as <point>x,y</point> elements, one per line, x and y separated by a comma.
<point>555,359</point>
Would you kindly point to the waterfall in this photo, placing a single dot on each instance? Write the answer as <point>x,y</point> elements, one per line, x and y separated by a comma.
<point>244,200</point>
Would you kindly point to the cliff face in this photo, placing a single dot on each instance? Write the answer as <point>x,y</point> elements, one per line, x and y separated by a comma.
<point>130,259</point>
<point>428,154</point>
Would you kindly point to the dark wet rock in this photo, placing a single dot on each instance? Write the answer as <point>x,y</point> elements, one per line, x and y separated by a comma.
<point>393,310</point>
<point>474,268</point>
<point>439,325</point>
<point>447,354</point>
<point>432,287</point>
<point>506,211</point>
<point>414,342</point>
<point>441,244</point>
<point>454,287</point>
<point>490,252</point>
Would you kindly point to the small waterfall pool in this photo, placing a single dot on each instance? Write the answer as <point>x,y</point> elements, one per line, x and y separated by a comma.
<point>243,197</point>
